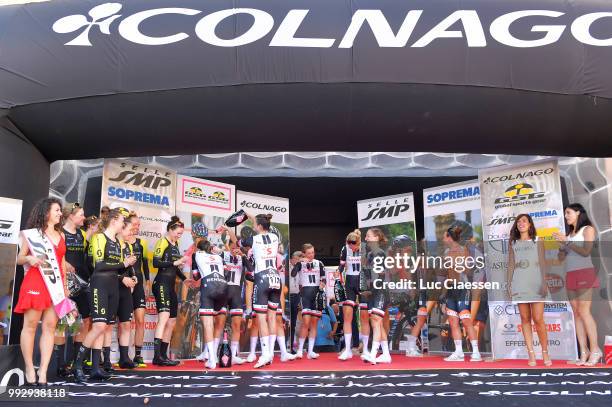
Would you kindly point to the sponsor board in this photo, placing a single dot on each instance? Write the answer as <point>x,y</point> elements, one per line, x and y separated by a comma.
<point>88,26</point>
<point>387,210</point>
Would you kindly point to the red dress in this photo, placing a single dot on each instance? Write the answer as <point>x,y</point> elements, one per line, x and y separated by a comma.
<point>33,293</point>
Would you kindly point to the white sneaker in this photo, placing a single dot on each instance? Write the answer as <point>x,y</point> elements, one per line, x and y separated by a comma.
<point>299,354</point>
<point>202,356</point>
<point>368,358</point>
<point>414,353</point>
<point>237,360</point>
<point>210,364</point>
<point>262,361</point>
<point>251,358</point>
<point>346,355</point>
<point>475,357</point>
<point>312,355</point>
<point>287,357</point>
<point>454,357</point>
<point>383,358</point>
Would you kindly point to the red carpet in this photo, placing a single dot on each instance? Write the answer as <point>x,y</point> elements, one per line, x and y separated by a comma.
<point>329,362</point>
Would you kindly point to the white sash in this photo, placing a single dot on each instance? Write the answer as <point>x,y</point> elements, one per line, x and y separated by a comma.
<point>42,248</point>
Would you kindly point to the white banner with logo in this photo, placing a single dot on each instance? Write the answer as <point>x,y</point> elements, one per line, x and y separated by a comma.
<point>255,204</point>
<point>10,224</point>
<point>392,216</point>
<point>202,205</point>
<point>150,191</point>
<point>508,191</point>
<point>507,339</point>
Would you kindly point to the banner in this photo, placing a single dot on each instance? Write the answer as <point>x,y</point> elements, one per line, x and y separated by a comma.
<point>507,191</point>
<point>443,207</point>
<point>198,201</point>
<point>507,339</point>
<point>150,191</point>
<point>394,217</point>
<point>10,220</point>
<point>255,204</point>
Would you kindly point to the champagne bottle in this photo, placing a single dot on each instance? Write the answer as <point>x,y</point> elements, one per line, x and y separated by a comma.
<point>225,352</point>
<point>236,219</point>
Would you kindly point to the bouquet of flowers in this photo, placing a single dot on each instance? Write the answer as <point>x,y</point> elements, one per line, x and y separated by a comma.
<point>69,324</point>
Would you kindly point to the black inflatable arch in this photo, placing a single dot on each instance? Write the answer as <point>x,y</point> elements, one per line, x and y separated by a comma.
<point>159,77</point>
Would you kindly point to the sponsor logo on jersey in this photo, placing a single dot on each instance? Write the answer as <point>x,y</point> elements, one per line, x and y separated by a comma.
<point>518,176</point>
<point>140,176</point>
<point>459,194</point>
<point>519,194</point>
<point>263,207</point>
<point>105,19</point>
<point>137,196</point>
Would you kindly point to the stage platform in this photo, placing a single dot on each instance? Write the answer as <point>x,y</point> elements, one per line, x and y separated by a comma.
<point>328,362</point>
<point>427,382</point>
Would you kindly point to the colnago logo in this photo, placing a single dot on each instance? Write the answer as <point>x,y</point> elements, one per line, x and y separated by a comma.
<point>465,24</point>
<point>263,207</point>
<point>454,195</point>
<point>145,177</point>
<point>387,209</point>
<point>518,176</point>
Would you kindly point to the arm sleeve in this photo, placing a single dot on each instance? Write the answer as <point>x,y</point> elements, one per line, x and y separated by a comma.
<point>249,274</point>
<point>342,259</point>
<point>145,259</point>
<point>194,268</point>
<point>322,273</point>
<point>180,274</point>
<point>99,262</point>
<point>296,269</point>
<point>158,254</point>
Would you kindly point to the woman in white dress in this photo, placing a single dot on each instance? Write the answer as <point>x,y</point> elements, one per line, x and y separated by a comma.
<point>527,283</point>
<point>580,279</point>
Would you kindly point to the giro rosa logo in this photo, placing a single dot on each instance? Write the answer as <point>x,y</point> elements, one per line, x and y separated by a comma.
<point>548,27</point>
<point>102,16</point>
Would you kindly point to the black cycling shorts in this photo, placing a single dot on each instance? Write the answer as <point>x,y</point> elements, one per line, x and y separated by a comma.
<point>82,302</point>
<point>308,295</point>
<point>266,291</point>
<point>351,287</point>
<point>378,302</point>
<point>125,307</point>
<point>104,298</point>
<point>234,300</point>
<point>139,299</point>
<point>165,298</point>
<point>213,296</point>
<point>458,303</point>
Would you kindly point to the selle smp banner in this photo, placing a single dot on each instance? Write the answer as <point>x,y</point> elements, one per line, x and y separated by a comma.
<point>89,45</point>
<point>533,188</point>
<point>150,191</point>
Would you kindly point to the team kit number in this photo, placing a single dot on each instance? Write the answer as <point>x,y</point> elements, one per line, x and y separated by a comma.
<point>274,281</point>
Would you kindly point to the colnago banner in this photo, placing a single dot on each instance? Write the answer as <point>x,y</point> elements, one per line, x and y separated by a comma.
<point>150,191</point>
<point>255,204</point>
<point>203,205</point>
<point>393,218</point>
<point>10,220</point>
<point>506,192</point>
